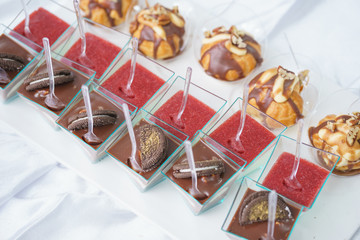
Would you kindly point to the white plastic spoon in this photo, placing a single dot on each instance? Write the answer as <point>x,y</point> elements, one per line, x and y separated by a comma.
<point>27,31</point>
<point>127,90</point>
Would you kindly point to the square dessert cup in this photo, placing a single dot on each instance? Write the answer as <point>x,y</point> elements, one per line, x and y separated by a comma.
<point>120,150</point>
<point>215,186</point>
<point>64,18</point>
<point>312,172</point>
<point>171,96</point>
<point>235,231</point>
<point>103,45</point>
<point>65,92</point>
<point>255,121</point>
<point>156,77</point>
<point>9,90</point>
<point>101,99</point>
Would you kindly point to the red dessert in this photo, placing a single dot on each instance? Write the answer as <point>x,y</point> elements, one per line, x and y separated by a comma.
<point>99,51</point>
<point>194,118</point>
<point>254,137</point>
<point>144,85</point>
<point>310,176</point>
<point>43,24</point>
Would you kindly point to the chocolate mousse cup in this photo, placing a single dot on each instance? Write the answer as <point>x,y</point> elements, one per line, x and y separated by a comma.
<point>150,174</point>
<point>20,50</point>
<point>69,77</point>
<point>237,224</point>
<point>267,123</point>
<point>215,174</point>
<point>109,120</point>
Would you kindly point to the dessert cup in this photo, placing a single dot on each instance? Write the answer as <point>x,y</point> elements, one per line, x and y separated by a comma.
<point>234,230</point>
<point>230,68</point>
<point>312,174</point>
<point>215,186</point>
<point>330,129</point>
<point>65,92</point>
<point>257,125</point>
<point>186,10</point>
<point>120,150</point>
<point>101,99</point>
<point>201,106</point>
<point>103,45</point>
<point>148,79</point>
<point>47,19</point>
<point>13,43</point>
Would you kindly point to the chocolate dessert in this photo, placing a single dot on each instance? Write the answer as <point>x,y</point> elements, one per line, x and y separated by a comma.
<point>68,82</point>
<point>159,30</point>
<point>211,174</point>
<point>13,59</point>
<point>250,219</point>
<point>106,12</point>
<point>276,92</point>
<point>339,134</point>
<point>107,118</point>
<point>229,54</point>
<point>154,147</point>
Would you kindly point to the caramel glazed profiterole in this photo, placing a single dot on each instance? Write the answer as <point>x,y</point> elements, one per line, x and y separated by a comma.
<point>160,31</point>
<point>339,135</point>
<point>276,92</point>
<point>229,54</point>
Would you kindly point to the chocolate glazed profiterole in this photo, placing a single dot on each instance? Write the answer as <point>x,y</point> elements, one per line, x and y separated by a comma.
<point>229,54</point>
<point>160,31</point>
<point>276,92</point>
<point>340,135</point>
<point>106,12</point>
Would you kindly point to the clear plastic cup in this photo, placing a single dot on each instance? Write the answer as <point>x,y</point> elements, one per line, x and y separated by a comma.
<point>101,99</point>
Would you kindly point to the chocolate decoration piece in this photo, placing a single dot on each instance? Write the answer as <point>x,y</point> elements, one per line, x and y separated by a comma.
<point>100,117</point>
<point>39,81</point>
<point>203,168</point>
<point>255,209</point>
<point>153,146</point>
<point>11,62</point>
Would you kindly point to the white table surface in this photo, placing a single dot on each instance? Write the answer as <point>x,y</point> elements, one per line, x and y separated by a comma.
<point>41,196</point>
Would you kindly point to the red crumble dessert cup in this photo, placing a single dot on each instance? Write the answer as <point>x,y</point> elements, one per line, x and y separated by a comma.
<point>16,49</point>
<point>260,132</point>
<point>47,19</point>
<point>311,174</point>
<point>103,45</point>
<point>215,173</point>
<point>108,118</point>
<point>69,77</point>
<point>200,108</point>
<point>152,155</point>
<point>149,77</point>
<point>247,217</point>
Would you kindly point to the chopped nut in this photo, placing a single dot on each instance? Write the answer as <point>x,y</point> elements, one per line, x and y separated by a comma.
<point>221,29</point>
<point>352,135</point>
<point>238,41</point>
<point>357,115</point>
<point>207,34</point>
<point>331,126</point>
<point>175,9</point>
<point>236,32</point>
<point>288,75</point>
<point>352,121</point>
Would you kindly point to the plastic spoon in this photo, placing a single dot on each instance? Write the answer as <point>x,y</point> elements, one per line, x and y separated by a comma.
<point>51,100</point>
<point>83,57</point>
<point>130,128</point>
<point>194,191</point>
<point>236,142</point>
<point>27,31</point>
<point>272,201</point>
<point>177,119</point>
<point>127,90</point>
<point>89,137</point>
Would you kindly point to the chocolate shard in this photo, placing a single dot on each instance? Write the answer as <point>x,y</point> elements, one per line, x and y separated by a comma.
<point>41,80</point>
<point>153,146</point>
<point>203,168</point>
<point>11,62</point>
<point>100,118</point>
<point>254,209</point>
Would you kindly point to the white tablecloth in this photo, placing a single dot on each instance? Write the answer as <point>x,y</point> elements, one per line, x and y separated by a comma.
<point>39,198</point>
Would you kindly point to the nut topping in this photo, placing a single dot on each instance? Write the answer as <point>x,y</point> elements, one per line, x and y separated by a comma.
<point>331,126</point>
<point>220,29</point>
<point>287,75</point>
<point>238,41</point>
<point>352,135</point>
<point>352,121</point>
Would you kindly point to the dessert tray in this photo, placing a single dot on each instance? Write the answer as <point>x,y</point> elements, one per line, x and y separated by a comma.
<point>335,214</point>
